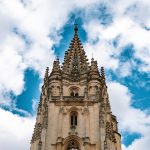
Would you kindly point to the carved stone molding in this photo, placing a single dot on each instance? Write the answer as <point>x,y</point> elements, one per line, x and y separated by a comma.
<point>37,132</point>
<point>110,134</point>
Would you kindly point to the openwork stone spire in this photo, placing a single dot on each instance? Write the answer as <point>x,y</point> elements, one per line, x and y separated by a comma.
<point>75,60</point>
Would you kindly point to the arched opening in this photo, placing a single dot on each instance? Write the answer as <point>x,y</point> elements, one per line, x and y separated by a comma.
<point>74,92</point>
<point>73,145</point>
<point>76,95</point>
<point>69,145</point>
<point>73,119</point>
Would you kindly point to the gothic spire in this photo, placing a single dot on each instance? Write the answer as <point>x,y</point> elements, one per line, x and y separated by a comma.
<point>75,60</point>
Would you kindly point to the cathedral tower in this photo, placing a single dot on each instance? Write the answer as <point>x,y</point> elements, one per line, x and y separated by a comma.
<point>74,111</point>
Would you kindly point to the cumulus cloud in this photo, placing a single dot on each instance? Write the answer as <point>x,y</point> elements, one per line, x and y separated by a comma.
<point>12,67</point>
<point>28,46</point>
<point>139,144</point>
<point>38,21</point>
<point>127,31</point>
<point>126,28</point>
<point>30,28</point>
<point>15,131</point>
<point>130,119</point>
<point>127,23</point>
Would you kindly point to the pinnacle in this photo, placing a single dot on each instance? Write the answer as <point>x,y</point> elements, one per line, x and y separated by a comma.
<point>102,75</point>
<point>57,58</point>
<point>47,72</point>
<point>92,59</point>
<point>56,66</point>
<point>94,69</point>
<point>46,75</point>
<point>102,72</point>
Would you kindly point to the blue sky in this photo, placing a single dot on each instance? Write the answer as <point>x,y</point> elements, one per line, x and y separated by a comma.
<point>33,35</point>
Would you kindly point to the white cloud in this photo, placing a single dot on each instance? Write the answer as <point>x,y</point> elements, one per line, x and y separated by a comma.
<point>128,31</point>
<point>15,131</point>
<point>103,53</point>
<point>133,8</point>
<point>11,67</point>
<point>124,69</point>
<point>130,119</point>
<point>34,20</point>
<point>128,25</point>
<point>37,19</point>
<point>121,100</point>
<point>100,38</point>
<point>35,103</point>
<point>139,144</point>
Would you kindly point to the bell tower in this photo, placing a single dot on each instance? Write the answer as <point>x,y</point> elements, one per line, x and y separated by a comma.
<point>74,112</point>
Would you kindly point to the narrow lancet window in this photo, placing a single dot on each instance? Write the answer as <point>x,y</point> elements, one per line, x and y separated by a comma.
<point>74,119</point>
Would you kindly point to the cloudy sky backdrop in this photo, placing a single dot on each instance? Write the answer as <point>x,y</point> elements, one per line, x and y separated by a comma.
<point>34,32</point>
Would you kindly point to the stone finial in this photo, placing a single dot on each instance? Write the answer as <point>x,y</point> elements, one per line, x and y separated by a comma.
<point>76,28</point>
<point>56,65</point>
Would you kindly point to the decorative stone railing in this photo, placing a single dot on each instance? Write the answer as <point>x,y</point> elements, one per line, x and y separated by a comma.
<point>68,98</point>
<point>71,98</point>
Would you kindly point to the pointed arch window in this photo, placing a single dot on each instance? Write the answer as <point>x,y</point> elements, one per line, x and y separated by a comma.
<point>74,119</point>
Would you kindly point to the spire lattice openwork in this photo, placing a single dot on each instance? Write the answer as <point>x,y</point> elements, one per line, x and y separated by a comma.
<point>75,60</point>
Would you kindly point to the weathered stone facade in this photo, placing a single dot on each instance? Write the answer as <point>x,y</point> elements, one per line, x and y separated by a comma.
<point>74,111</point>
